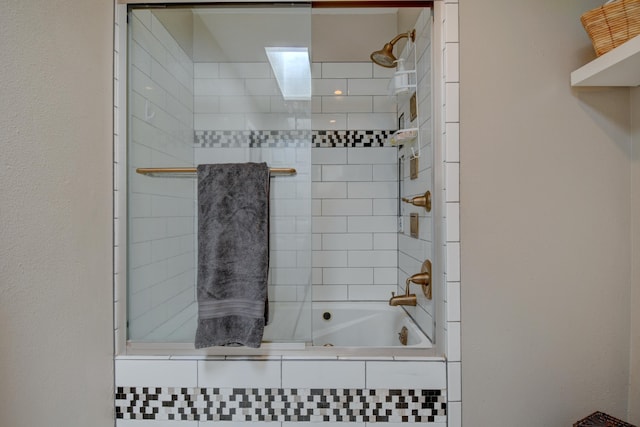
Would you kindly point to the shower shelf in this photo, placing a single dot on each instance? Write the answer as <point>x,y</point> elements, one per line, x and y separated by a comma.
<point>403,136</point>
<point>397,87</point>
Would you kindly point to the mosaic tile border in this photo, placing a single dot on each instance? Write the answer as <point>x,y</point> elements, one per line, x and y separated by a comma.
<point>281,404</point>
<point>290,138</point>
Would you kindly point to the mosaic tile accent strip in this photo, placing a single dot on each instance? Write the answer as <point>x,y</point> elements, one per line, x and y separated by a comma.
<point>290,138</point>
<point>281,404</point>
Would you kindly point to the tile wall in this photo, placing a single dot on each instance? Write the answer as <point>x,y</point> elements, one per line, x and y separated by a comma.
<point>161,210</point>
<point>186,378</point>
<point>448,125</point>
<point>279,390</point>
<point>413,251</point>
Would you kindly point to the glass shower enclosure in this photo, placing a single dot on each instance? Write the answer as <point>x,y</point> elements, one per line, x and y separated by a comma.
<point>203,89</point>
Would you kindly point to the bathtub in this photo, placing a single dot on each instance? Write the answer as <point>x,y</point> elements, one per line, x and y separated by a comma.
<point>338,329</point>
<point>364,324</point>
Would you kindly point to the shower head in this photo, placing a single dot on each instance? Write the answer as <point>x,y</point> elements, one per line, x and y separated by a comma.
<point>385,57</point>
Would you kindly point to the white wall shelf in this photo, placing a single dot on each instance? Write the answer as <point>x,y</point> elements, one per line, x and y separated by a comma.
<point>618,67</point>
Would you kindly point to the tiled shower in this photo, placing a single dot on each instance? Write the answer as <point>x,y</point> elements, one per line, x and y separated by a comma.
<point>353,256</point>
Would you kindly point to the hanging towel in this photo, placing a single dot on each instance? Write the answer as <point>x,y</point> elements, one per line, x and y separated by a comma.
<point>233,254</point>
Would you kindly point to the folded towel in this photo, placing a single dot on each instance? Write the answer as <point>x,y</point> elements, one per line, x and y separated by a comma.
<point>233,254</point>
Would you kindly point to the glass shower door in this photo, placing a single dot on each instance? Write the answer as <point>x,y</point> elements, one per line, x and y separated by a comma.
<point>205,89</point>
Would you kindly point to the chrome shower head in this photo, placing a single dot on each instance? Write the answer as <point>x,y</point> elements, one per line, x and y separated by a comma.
<point>385,57</point>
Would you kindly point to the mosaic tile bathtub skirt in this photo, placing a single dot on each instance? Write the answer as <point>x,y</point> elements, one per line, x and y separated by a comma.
<point>281,404</point>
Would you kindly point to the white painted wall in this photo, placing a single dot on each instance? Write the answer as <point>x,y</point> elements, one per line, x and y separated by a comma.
<point>56,325</point>
<point>634,371</point>
<point>545,220</point>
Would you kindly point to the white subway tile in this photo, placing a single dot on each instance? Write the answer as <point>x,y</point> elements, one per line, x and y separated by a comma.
<point>347,276</point>
<point>245,104</point>
<point>218,122</point>
<point>453,341</point>
<point>316,207</point>
<point>454,382</point>
<point>328,156</point>
<point>372,156</point>
<point>316,70</point>
<point>380,224</point>
<point>453,222</point>
<point>347,173</point>
<point>238,373</point>
<point>245,70</point>
<point>367,86</point>
<point>265,87</point>
<point>385,206</point>
<point>385,276</point>
<point>329,190</point>
<point>452,182</point>
<point>271,121</point>
<point>316,172</point>
<point>329,86</point>
<point>316,276</point>
<point>451,23</point>
<point>329,258</point>
<point>454,414</point>
<point>347,104</point>
<point>451,62</point>
<point>370,190</point>
<point>373,121</point>
<point>345,207</point>
<point>346,241</point>
<point>330,292</point>
<point>453,301</point>
<point>156,373</point>
<point>383,72</point>
<point>453,262</point>
<point>332,70</point>
<point>452,147</point>
<point>329,224</point>
<point>370,293</point>
<point>206,104</point>
<point>385,241</point>
<point>328,121</point>
<point>452,102</point>
<point>406,374</point>
<point>373,258</point>
<point>325,374</point>
<point>387,172</point>
<point>208,70</point>
<point>384,104</point>
<point>218,86</point>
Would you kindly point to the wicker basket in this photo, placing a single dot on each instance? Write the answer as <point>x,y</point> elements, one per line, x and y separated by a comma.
<point>612,24</point>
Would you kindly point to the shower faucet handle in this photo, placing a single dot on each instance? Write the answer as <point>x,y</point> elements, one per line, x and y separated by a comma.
<point>423,278</point>
<point>423,201</point>
<point>420,279</point>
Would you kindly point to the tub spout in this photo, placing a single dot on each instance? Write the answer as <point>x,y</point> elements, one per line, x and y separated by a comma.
<point>406,299</point>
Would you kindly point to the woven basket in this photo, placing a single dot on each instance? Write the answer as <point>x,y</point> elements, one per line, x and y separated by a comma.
<point>612,24</point>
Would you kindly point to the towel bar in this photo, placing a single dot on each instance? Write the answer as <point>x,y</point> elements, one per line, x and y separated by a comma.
<point>180,171</point>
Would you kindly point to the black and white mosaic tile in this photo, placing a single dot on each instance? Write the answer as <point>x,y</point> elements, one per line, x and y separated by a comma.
<point>281,404</point>
<point>290,138</point>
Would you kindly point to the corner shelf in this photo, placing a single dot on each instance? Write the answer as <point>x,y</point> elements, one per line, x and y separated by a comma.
<point>394,88</point>
<point>618,67</point>
<point>403,136</point>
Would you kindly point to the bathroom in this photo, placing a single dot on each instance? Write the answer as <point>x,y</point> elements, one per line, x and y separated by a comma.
<point>548,196</point>
<point>340,237</point>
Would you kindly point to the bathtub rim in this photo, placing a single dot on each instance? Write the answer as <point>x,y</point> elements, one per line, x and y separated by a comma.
<point>275,351</point>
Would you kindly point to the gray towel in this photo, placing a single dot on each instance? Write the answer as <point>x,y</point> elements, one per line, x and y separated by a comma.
<point>233,254</point>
